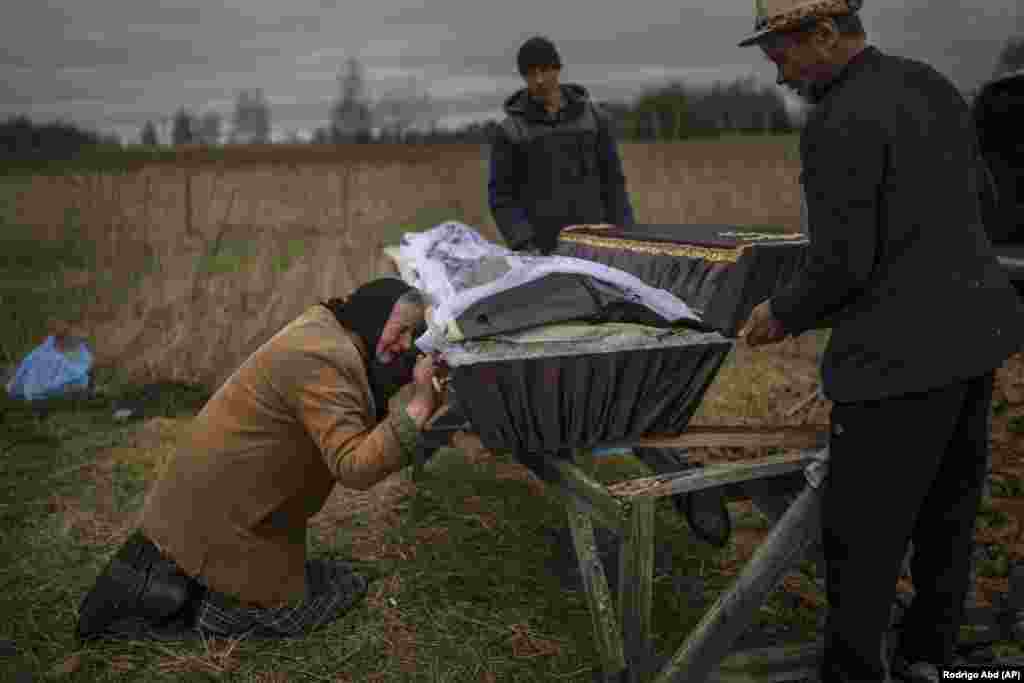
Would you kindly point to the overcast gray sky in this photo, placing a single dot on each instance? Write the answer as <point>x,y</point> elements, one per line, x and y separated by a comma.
<point>113,64</point>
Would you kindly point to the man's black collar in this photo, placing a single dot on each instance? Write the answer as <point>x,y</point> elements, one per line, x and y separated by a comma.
<point>859,61</point>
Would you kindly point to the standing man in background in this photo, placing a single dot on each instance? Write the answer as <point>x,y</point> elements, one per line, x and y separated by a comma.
<point>554,160</point>
<point>900,267</point>
<point>555,163</point>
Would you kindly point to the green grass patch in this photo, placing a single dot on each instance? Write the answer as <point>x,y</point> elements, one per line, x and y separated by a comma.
<point>226,256</point>
<point>291,252</point>
<point>1016,424</point>
<point>104,159</point>
<point>1007,486</point>
<point>46,450</point>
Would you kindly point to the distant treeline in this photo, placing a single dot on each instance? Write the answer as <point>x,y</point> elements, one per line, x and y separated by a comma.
<point>21,139</point>
<point>678,111</point>
<point>672,112</point>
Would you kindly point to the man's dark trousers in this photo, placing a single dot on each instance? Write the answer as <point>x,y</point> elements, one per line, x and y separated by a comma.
<point>901,468</point>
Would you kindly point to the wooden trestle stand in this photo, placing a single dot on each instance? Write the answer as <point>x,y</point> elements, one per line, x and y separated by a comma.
<point>623,635</point>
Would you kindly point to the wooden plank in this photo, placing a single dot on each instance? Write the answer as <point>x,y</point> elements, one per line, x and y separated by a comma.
<point>774,508</point>
<point>733,611</point>
<point>770,665</point>
<point>662,485</point>
<point>800,436</point>
<point>772,497</point>
<point>636,573</point>
<point>568,478</point>
<point>607,634</point>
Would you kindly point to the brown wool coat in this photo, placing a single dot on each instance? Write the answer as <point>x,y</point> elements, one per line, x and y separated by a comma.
<point>263,455</point>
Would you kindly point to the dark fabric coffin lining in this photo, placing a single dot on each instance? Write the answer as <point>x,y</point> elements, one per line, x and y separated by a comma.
<point>723,293</point>
<point>760,272</point>
<point>555,298</point>
<point>546,404</point>
<point>692,280</point>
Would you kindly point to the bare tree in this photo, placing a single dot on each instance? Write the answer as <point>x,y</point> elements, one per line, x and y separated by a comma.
<point>1011,57</point>
<point>402,109</point>
<point>351,114</point>
<point>321,136</point>
<point>148,136</point>
<point>183,127</point>
<point>209,127</point>
<point>252,117</point>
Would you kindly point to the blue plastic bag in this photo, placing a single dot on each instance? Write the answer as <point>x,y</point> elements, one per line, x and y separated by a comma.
<point>610,451</point>
<point>47,372</point>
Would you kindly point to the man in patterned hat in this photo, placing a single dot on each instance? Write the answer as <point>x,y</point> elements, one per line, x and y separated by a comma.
<point>892,178</point>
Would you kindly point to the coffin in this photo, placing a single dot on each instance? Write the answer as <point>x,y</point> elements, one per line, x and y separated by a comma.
<point>534,398</point>
<point>720,271</point>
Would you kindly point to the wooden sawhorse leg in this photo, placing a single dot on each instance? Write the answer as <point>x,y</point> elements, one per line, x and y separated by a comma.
<point>624,643</point>
<point>622,636</point>
<point>607,634</point>
<point>636,576</point>
<point>733,611</point>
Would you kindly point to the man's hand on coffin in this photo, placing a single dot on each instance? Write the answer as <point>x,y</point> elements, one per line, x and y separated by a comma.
<point>762,327</point>
<point>427,367</point>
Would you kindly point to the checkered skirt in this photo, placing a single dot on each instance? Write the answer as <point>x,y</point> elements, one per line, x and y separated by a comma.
<point>332,589</point>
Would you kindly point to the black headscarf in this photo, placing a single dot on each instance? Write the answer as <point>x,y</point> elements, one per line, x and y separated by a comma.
<point>365,312</point>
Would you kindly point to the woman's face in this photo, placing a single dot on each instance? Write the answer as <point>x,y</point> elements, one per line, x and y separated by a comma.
<point>398,333</point>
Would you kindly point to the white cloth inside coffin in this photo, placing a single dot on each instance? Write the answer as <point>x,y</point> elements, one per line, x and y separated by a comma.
<point>456,268</point>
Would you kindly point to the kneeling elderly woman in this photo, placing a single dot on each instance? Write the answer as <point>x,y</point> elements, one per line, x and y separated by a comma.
<point>221,548</point>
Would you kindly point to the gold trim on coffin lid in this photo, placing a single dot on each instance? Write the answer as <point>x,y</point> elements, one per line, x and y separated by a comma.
<point>716,255</point>
<point>722,255</point>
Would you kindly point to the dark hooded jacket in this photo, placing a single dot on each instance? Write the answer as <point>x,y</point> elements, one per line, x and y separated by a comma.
<point>548,171</point>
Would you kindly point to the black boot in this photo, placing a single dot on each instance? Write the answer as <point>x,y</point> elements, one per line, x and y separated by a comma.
<point>705,510</point>
<point>140,595</point>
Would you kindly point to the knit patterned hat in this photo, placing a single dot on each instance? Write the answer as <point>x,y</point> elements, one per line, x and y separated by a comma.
<point>773,16</point>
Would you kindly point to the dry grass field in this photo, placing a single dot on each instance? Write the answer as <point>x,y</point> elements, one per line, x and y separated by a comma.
<point>191,265</point>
